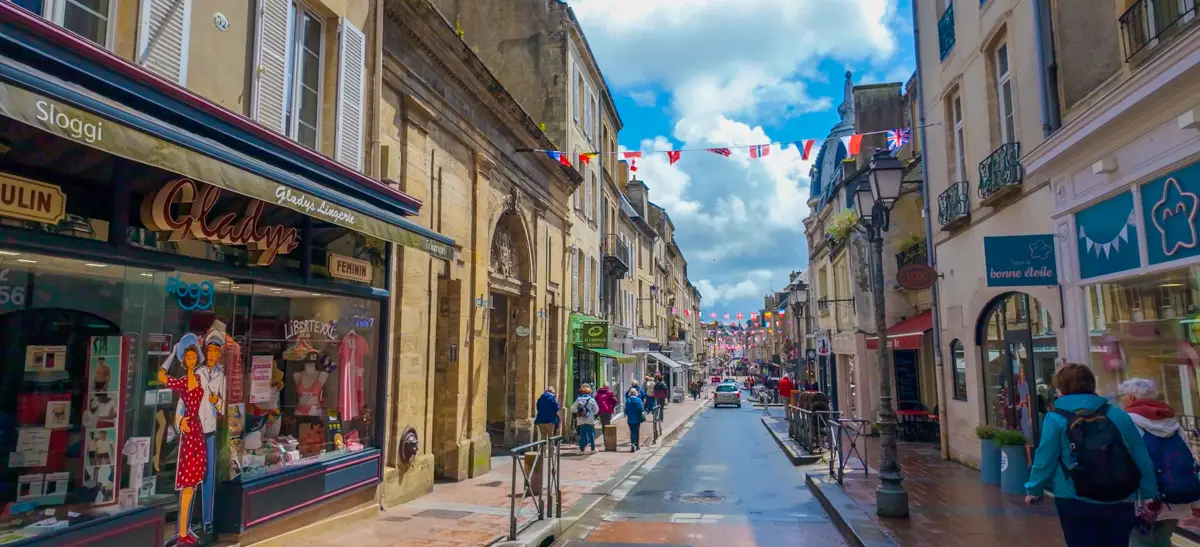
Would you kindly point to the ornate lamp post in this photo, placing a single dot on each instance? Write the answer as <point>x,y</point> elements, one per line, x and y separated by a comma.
<point>875,205</point>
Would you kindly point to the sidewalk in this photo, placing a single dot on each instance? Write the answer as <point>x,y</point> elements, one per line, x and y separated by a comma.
<point>475,512</point>
<point>947,505</point>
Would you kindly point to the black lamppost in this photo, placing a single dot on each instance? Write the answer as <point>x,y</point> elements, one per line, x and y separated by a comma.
<point>875,205</point>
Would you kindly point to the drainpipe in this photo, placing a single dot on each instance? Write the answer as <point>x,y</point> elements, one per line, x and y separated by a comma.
<point>930,251</point>
<point>1043,29</point>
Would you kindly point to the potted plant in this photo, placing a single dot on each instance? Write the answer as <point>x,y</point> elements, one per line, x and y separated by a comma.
<point>989,455</point>
<point>842,224</point>
<point>1014,471</point>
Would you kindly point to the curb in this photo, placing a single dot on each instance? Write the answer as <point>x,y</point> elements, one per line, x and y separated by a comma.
<point>856,525</point>
<point>545,531</point>
<point>797,455</point>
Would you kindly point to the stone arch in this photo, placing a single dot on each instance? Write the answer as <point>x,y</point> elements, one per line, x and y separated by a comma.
<point>511,253</point>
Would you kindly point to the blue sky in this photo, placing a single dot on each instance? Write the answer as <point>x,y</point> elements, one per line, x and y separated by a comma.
<point>726,73</point>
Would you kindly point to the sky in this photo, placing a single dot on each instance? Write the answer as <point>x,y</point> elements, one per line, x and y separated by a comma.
<point>725,73</point>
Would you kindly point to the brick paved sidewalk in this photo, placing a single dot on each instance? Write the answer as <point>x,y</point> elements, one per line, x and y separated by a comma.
<point>475,512</point>
<point>948,506</point>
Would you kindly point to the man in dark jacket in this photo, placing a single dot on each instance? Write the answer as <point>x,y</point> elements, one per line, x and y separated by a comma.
<point>546,419</point>
<point>661,391</point>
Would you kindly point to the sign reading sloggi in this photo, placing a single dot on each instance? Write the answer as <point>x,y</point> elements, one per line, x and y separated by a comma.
<point>76,127</point>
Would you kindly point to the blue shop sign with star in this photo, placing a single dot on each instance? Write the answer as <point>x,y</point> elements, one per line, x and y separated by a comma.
<point>1020,261</point>
<point>1169,207</point>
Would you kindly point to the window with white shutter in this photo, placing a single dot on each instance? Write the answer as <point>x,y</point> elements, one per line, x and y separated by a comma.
<point>352,66</point>
<point>587,285</point>
<point>270,63</point>
<point>599,196</point>
<point>163,28</point>
<point>91,19</point>
<point>574,281</point>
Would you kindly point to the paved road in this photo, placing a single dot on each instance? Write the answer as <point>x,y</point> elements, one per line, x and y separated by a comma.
<point>725,482</point>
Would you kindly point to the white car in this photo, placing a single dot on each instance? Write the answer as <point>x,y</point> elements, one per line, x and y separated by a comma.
<point>727,394</point>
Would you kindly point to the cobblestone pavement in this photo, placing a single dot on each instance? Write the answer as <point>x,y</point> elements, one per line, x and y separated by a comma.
<point>724,483</point>
<point>475,512</point>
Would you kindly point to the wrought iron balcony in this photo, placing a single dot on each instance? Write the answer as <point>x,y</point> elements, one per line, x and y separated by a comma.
<point>616,256</point>
<point>946,31</point>
<point>1000,174</point>
<point>954,206</point>
<point>916,255</point>
<point>1146,21</point>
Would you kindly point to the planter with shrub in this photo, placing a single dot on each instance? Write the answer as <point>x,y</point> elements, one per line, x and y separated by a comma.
<point>1014,470</point>
<point>989,455</point>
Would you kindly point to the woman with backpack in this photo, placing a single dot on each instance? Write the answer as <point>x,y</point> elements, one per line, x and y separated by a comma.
<point>585,410</point>
<point>1178,485</point>
<point>1094,457</point>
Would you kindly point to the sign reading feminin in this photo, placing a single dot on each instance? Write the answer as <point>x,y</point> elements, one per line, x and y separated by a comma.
<point>1020,261</point>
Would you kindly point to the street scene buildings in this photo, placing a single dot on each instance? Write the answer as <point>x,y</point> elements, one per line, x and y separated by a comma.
<point>383,272</point>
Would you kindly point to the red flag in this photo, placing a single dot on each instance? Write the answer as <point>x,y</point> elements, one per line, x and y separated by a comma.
<point>805,148</point>
<point>673,155</point>
<point>586,158</point>
<point>633,165</point>
<point>629,155</point>
<point>852,143</point>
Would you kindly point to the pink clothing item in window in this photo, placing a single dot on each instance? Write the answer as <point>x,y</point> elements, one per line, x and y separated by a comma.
<point>310,397</point>
<point>351,353</point>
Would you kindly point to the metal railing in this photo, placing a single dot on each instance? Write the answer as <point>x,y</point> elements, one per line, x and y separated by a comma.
<point>542,485</point>
<point>915,255</point>
<point>847,436</point>
<point>616,252</point>
<point>1147,20</point>
<point>1001,169</point>
<point>946,31</point>
<point>809,428</point>
<point>954,204</point>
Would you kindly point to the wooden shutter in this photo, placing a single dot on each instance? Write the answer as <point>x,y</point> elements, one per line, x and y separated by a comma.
<point>163,28</point>
<point>352,69</point>
<point>270,64</point>
<point>587,285</point>
<point>574,280</point>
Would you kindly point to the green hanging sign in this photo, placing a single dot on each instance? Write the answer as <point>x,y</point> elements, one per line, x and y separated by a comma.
<point>593,335</point>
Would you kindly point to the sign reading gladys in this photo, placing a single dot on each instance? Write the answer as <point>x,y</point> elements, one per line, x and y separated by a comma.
<point>1020,261</point>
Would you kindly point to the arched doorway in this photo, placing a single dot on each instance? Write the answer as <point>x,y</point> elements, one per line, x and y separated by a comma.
<point>510,375</point>
<point>1018,348</point>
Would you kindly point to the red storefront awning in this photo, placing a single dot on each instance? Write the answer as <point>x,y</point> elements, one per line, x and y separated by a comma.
<point>905,334</point>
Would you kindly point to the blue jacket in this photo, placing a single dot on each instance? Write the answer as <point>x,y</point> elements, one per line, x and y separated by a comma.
<point>1054,447</point>
<point>633,410</point>
<point>547,409</point>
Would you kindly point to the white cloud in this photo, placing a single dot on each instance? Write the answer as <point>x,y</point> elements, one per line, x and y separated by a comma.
<point>729,70</point>
<point>645,99</point>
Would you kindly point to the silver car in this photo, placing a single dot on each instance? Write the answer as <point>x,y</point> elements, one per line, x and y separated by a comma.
<point>727,394</point>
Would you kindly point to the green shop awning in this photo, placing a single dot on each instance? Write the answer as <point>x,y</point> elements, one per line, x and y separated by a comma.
<point>620,357</point>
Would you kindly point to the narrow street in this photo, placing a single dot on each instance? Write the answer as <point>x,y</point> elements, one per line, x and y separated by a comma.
<point>724,482</point>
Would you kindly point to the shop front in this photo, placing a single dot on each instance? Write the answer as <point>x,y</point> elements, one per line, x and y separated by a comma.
<point>910,343</point>
<point>193,333</point>
<point>589,359</point>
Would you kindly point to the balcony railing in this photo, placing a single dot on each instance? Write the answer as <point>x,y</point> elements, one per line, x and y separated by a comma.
<point>954,206</point>
<point>1148,20</point>
<point>946,31</point>
<point>1000,173</point>
<point>916,255</point>
<point>616,255</point>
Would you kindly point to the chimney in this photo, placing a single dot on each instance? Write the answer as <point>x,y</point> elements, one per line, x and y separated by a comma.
<point>637,192</point>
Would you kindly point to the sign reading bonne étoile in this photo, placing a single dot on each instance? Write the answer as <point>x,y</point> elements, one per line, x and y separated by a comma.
<point>1020,261</point>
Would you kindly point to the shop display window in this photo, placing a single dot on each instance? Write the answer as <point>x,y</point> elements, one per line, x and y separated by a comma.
<point>126,387</point>
<point>1148,327</point>
<point>1019,348</point>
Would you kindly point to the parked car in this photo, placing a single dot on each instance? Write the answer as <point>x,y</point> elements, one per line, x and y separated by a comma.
<point>727,394</point>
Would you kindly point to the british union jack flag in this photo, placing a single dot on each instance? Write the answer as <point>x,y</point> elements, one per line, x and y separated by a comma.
<point>897,138</point>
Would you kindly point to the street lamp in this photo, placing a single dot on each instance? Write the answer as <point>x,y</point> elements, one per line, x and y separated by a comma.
<point>875,202</point>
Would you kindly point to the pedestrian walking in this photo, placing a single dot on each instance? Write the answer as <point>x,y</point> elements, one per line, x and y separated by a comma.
<point>1178,486</point>
<point>661,391</point>
<point>607,402</point>
<point>1094,457</point>
<point>634,417</point>
<point>546,419</point>
<point>786,387</point>
<point>585,410</point>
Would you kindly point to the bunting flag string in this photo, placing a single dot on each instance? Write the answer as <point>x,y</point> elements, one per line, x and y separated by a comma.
<point>1112,245</point>
<point>896,139</point>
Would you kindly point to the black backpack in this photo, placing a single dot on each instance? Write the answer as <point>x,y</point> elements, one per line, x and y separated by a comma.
<point>1104,470</point>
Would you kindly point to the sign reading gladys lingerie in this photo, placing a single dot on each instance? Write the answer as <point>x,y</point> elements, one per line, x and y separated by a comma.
<point>1020,261</point>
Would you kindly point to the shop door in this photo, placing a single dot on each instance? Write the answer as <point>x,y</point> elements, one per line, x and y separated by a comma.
<point>908,381</point>
<point>1019,383</point>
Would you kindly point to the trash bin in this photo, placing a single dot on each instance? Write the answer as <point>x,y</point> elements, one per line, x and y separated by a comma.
<point>610,438</point>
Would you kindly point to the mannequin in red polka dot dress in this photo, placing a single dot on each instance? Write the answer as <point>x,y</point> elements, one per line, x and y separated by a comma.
<point>193,461</point>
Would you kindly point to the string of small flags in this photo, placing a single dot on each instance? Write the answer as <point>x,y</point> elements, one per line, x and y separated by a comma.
<point>896,139</point>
